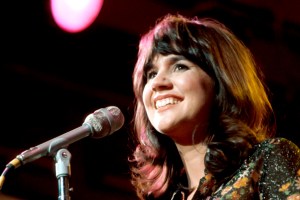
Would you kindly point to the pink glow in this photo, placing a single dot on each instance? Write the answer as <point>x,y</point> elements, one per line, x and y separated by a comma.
<point>75,15</point>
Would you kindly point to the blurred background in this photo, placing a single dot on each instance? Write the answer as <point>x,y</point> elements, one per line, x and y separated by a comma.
<point>54,75</point>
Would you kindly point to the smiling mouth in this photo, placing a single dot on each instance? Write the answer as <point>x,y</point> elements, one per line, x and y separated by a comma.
<point>165,102</point>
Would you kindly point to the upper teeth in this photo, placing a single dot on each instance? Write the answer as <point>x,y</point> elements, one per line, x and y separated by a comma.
<point>163,102</point>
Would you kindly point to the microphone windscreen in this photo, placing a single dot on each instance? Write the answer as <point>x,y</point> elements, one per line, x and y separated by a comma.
<point>105,121</point>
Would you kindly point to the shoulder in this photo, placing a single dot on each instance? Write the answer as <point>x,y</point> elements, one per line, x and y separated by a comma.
<point>274,165</point>
<point>280,172</point>
<point>275,152</point>
<point>278,152</point>
<point>278,144</point>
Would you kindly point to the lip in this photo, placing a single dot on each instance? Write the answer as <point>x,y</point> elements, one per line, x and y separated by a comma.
<point>160,97</point>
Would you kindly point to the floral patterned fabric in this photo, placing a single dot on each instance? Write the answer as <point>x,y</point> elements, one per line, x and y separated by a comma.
<point>272,172</point>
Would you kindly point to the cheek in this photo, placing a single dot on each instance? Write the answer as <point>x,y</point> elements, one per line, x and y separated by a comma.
<point>189,85</point>
<point>201,89</point>
<point>146,96</point>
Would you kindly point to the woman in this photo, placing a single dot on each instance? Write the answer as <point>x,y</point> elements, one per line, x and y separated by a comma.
<point>203,124</point>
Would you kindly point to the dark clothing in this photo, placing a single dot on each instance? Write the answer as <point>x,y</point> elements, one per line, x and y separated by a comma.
<point>271,172</point>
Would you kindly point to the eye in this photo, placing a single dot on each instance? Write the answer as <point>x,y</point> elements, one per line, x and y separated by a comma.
<point>180,67</point>
<point>151,74</point>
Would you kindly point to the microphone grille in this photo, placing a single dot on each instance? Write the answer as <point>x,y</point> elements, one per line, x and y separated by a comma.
<point>105,121</point>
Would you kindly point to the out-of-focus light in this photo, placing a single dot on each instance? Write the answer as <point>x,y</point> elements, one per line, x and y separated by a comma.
<point>75,15</point>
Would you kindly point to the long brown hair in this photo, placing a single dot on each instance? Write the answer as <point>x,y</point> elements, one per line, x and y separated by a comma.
<point>241,117</point>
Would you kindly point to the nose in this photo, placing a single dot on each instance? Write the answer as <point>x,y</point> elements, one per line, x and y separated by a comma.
<point>161,82</point>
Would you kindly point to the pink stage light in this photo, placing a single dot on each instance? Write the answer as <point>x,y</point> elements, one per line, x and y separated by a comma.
<point>75,15</point>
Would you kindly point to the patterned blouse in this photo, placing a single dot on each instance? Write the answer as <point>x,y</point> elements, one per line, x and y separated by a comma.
<point>272,172</point>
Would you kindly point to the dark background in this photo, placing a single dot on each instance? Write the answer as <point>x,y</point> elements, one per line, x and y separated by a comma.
<point>51,80</point>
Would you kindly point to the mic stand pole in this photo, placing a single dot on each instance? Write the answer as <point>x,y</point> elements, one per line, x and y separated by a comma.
<point>63,172</point>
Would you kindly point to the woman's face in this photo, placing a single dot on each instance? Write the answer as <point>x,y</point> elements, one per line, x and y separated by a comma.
<point>178,97</point>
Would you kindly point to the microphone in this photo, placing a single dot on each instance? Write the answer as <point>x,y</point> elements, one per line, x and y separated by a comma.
<point>101,123</point>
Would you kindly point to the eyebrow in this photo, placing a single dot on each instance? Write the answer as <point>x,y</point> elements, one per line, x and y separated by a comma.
<point>176,58</point>
<point>172,59</point>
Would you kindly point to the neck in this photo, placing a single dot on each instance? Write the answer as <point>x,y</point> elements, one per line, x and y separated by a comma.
<point>193,159</point>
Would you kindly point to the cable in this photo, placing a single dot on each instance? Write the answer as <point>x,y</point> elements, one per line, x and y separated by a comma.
<point>11,165</point>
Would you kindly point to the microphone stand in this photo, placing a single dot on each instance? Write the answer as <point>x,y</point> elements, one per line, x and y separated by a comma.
<point>63,173</point>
